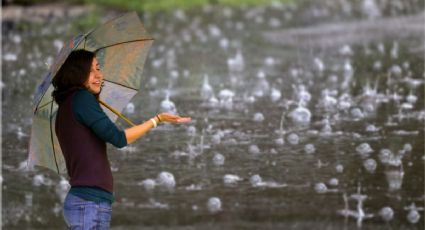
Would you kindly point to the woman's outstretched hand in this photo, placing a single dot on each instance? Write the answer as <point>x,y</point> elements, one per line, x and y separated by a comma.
<point>137,131</point>
<point>167,117</point>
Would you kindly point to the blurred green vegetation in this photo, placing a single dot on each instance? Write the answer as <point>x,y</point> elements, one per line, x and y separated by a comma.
<point>158,5</point>
<point>152,5</point>
<point>86,21</point>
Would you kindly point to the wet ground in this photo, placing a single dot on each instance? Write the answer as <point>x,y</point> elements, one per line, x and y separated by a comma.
<point>307,116</point>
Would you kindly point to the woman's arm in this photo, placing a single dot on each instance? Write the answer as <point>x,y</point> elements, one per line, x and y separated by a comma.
<point>138,131</point>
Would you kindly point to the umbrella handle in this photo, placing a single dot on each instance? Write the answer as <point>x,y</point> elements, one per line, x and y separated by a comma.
<point>116,112</point>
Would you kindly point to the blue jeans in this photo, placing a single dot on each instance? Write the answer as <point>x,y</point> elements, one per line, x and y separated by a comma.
<point>83,214</point>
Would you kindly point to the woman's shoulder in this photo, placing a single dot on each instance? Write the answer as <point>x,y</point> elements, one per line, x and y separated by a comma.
<point>83,96</point>
<point>83,93</point>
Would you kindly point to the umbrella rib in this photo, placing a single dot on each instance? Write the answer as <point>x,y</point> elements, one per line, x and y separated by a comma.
<point>120,43</point>
<point>116,83</point>
<point>111,20</point>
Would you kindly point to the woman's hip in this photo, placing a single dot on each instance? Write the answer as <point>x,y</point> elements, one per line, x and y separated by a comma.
<point>85,214</point>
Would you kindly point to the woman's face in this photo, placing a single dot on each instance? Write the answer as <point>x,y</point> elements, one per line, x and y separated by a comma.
<point>94,82</point>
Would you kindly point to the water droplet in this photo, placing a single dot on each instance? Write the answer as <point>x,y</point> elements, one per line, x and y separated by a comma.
<point>214,204</point>
<point>230,179</point>
<point>364,150</point>
<point>386,213</point>
<point>333,182</point>
<point>370,165</point>
<point>253,149</point>
<point>148,184</point>
<point>218,159</point>
<point>339,168</point>
<point>130,108</point>
<point>293,139</point>
<point>166,179</point>
<point>320,188</point>
<point>413,216</point>
<point>258,117</point>
<point>255,180</point>
<point>309,149</point>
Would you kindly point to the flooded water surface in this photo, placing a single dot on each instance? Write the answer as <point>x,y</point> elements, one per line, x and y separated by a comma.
<point>304,116</point>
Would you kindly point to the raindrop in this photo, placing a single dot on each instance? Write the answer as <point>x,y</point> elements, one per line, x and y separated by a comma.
<point>214,204</point>
<point>166,179</point>
<point>224,43</point>
<point>206,90</point>
<point>230,179</point>
<point>237,63</point>
<point>168,106</point>
<point>129,108</point>
<point>364,150</point>
<point>62,188</point>
<point>396,70</point>
<point>356,113</point>
<point>58,44</point>
<point>394,50</point>
<point>39,180</point>
<point>339,168</point>
<point>270,61</point>
<point>10,57</point>
<point>370,9</point>
<point>333,182</point>
<point>346,50</point>
<point>370,165</point>
<point>191,130</point>
<point>300,116</point>
<point>318,63</point>
<point>293,139</point>
<point>407,147</point>
<point>28,199</point>
<point>274,23</point>
<point>16,38</point>
<point>255,180</point>
<point>258,117</point>
<point>275,95</point>
<point>218,159</point>
<point>377,65</point>
<point>261,87</point>
<point>216,139</point>
<point>279,141</point>
<point>411,98</point>
<point>320,188</point>
<point>148,184</point>
<point>413,216</point>
<point>226,98</point>
<point>371,128</point>
<point>253,149</point>
<point>386,213</point>
<point>385,156</point>
<point>309,149</point>
<point>394,179</point>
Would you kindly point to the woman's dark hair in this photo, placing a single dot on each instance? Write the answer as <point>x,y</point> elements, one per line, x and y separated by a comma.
<point>72,74</point>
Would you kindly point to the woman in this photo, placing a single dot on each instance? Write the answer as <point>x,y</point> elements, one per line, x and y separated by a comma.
<point>83,129</point>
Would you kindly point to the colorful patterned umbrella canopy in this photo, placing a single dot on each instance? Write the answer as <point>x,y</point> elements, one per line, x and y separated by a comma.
<point>121,46</point>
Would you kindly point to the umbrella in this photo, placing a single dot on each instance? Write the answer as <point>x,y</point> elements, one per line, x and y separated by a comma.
<point>121,46</point>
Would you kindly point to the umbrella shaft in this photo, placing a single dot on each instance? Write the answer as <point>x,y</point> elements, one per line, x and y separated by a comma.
<point>117,113</point>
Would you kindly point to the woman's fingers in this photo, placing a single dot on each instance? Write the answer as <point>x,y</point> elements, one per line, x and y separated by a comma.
<point>183,119</point>
<point>174,118</point>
